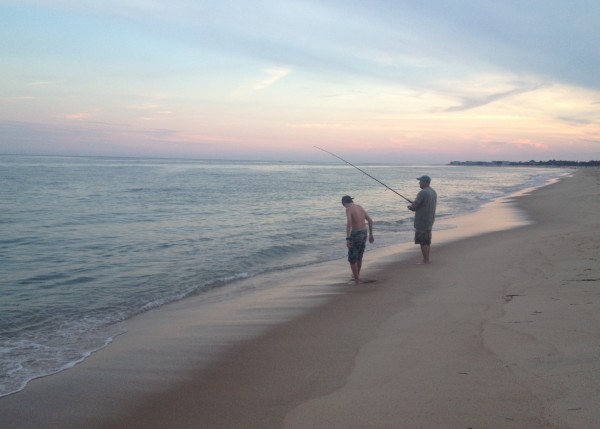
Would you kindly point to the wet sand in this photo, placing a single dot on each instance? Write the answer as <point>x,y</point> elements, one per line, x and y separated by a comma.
<point>501,330</point>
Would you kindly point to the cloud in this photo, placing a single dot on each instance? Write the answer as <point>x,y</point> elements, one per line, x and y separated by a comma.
<point>461,72</point>
<point>17,98</point>
<point>79,116</point>
<point>144,106</point>
<point>575,120</point>
<point>41,83</point>
<point>269,77</point>
<point>157,116</point>
<point>473,101</point>
<point>94,138</point>
<point>507,147</point>
<point>525,143</point>
<point>381,38</point>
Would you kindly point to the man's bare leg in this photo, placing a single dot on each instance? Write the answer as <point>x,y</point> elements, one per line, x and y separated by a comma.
<point>425,251</point>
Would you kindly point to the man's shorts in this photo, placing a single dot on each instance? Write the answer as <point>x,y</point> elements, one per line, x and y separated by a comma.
<point>423,237</point>
<point>358,241</point>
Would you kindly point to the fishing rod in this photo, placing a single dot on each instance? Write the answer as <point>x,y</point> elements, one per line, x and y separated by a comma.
<point>364,172</point>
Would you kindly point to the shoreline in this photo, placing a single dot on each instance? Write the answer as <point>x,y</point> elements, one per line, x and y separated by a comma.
<point>161,354</point>
<point>450,231</point>
<point>117,264</point>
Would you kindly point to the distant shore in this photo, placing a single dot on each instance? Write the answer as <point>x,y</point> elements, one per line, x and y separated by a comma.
<point>500,330</point>
<point>552,163</point>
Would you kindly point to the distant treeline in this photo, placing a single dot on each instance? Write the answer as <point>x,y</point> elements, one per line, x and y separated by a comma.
<point>551,163</point>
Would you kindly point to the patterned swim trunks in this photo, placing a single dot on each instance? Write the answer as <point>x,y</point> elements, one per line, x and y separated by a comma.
<point>358,241</point>
<point>423,237</point>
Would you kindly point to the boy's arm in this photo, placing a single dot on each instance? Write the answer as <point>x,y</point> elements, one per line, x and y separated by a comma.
<point>370,222</point>
<point>348,225</point>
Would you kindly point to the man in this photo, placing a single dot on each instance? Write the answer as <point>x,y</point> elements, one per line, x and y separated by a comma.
<point>356,234</point>
<point>424,208</point>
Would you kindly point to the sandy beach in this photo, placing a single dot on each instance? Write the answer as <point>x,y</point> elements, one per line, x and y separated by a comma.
<point>501,330</point>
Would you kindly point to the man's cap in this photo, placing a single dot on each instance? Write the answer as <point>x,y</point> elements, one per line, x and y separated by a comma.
<point>346,199</point>
<point>424,179</point>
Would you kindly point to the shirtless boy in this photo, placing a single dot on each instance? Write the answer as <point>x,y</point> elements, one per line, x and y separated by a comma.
<point>356,234</point>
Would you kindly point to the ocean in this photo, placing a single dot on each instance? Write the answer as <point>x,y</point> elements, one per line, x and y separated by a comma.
<point>87,243</point>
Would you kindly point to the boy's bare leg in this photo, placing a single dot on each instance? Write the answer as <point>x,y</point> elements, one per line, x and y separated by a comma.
<point>355,271</point>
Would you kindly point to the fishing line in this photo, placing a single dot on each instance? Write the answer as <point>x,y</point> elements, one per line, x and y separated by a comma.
<point>364,172</point>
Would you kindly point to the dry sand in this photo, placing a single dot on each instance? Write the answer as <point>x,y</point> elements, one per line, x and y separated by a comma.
<point>501,330</point>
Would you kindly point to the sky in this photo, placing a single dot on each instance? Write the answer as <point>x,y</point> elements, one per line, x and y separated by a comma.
<point>402,81</point>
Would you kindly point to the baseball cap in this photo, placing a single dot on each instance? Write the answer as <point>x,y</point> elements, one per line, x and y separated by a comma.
<point>424,179</point>
<point>346,199</point>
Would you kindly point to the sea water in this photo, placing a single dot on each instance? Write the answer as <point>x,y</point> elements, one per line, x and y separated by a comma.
<point>87,243</point>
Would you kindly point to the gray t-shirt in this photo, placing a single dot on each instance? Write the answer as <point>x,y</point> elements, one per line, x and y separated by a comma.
<point>425,213</point>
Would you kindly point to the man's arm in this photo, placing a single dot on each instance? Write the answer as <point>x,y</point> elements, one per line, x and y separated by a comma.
<point>417,202</point>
